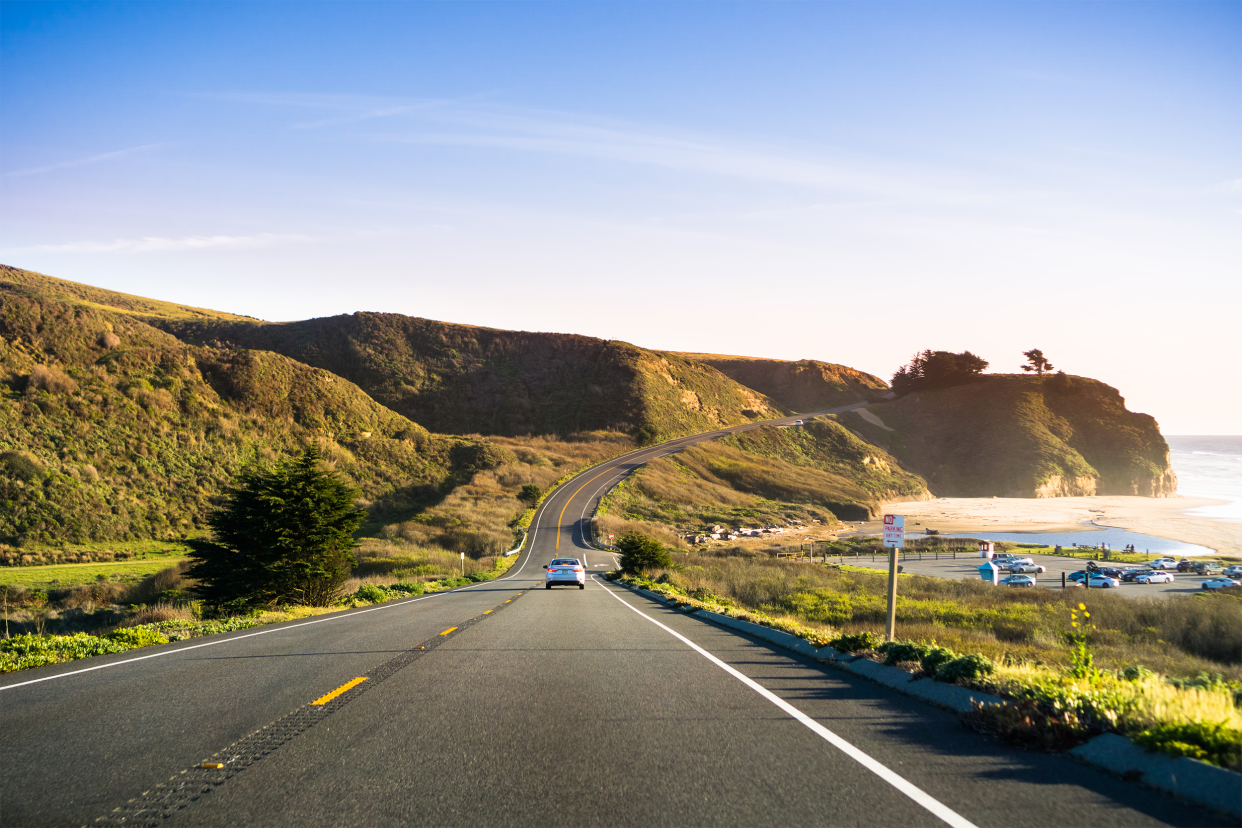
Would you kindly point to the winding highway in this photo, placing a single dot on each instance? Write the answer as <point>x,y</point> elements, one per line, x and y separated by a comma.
<point>505,704</point>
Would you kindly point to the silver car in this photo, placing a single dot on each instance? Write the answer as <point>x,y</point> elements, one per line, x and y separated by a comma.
<point>567,571</point>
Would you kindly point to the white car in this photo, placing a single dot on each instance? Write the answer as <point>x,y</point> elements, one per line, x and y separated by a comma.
<point>1164,563</point>
<point>1155,578</point>
<point>1221,583</point>
<point>1018,581</point>
<point>1027,566</point>
<point>799,422</point>
<point>1234,572</point>
<point>1102,582</point>
<point>567,571</point>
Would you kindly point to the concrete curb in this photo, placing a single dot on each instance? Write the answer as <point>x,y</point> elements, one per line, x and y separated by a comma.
<point>1191,779</point>
<point>1199,782</point>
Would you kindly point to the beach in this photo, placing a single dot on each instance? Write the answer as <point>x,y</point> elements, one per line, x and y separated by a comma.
<point>1160,517</point>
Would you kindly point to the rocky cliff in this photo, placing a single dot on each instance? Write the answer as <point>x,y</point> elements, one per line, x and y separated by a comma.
<point>1022,436</point>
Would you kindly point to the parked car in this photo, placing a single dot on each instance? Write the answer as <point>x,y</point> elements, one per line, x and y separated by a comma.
<point>1102,582</point>
<point>1027,566</point>
<point>1164,563</point>
<point>1208,568</point>
<point>1155,577</point>
<point>1185,565</point>
<point>1134,572</point>
<point>1220,583</point>
<point>1079,576</point>
<point>1234,572</point>
<point>1018,581</point>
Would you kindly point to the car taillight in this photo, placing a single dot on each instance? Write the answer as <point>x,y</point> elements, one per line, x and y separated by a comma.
<point>577,569</point>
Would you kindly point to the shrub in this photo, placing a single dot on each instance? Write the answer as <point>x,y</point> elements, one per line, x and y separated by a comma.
<point>1208,742</point>
<point>641,552</point>
<point>49,379</point>
<point>935,658</point>
<point>109,341</point>
<point>856,642</point>
<point>137,637</point>
<point>1136,672</point>
<point>23,465</point>
<point>899,651</point>
<point>965,668</point>
<point>372,593</point>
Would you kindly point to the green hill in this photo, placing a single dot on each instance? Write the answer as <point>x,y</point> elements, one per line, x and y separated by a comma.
<point>1022,436</point>
<point>806,385</point>
<point>461,379</point>
<point>111,429</point>
<point>821,471</point>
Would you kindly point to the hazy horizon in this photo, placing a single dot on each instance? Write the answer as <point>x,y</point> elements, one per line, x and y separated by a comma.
<point>843,182</point>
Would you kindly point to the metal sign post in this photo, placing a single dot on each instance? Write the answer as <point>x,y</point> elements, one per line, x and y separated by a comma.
<point>894,539</point>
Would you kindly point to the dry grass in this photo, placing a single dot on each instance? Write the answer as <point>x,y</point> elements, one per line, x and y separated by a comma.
<point>51,379</point>
<point>480,517</point>
<point>161,612</point>
<point>1174,636</point>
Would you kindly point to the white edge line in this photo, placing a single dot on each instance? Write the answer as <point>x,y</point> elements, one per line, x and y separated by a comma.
<point>903,785</point>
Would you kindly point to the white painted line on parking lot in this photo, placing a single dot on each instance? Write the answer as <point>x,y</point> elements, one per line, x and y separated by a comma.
<point>934,806</point>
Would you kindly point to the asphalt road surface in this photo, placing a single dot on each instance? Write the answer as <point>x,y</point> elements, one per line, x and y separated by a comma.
<point>506,704</point>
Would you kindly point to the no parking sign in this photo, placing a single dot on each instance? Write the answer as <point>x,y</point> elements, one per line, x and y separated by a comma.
<point>894,531</point>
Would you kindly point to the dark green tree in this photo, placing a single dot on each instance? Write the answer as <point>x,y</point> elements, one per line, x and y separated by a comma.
<point>937,369</point>
<point>1036,363</point>
<point>530,494</point>
<point>641,552</point>
<point>284,535</point>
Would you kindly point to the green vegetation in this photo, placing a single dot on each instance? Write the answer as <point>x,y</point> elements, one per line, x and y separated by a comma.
<point>283,536</point>
<point>770,475</point>
<point>937,369</point>
<point>803,386</point>
<point>462,379</point>
<point>151,430</point>
<point>639,552</point>
<point>55,577</point>
<point>1022,436</point>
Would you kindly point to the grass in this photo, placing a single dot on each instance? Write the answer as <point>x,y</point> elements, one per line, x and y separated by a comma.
<point>67,575</point>
<point>768,476</point>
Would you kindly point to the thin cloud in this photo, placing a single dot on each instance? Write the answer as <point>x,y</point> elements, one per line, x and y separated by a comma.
<point>458,122</point>
<point>79,162</point>
<point>156,244</point>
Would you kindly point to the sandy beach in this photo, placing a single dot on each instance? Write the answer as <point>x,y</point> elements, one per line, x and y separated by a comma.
<point>1159,517</point>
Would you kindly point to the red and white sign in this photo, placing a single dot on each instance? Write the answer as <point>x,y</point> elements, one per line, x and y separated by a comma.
<point>894,531</point>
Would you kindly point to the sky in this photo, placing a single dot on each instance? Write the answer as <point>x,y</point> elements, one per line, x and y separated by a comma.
<point>844,181</point>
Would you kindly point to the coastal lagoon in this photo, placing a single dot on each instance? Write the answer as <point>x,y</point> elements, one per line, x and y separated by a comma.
<point>1117,539</point>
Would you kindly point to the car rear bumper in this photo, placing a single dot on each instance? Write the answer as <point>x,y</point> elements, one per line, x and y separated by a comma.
<point>573,581</point>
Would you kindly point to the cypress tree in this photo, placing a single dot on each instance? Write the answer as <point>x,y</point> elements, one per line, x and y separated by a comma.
<point>284,535</point>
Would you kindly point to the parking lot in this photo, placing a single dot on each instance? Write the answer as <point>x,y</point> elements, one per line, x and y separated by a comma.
<point>965,568</point>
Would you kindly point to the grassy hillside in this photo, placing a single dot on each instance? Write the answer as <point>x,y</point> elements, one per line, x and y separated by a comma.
<point>112,430</point>
<point>763,476</point>
<point>461,379</point>
<point>14,280</point>
<point>806,385</point>
<point>1023,436</point>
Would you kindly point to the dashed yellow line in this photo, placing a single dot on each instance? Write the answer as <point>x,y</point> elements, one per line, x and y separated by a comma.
<point>338,691</point>
<point>489,612</point>
<point>449,630</point>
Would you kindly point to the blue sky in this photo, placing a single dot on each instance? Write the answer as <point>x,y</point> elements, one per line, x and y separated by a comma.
<point>842,181</point>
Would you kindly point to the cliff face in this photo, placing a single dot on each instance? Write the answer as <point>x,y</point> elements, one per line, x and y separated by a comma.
<point>1022,436</point>
<point>806,385</point>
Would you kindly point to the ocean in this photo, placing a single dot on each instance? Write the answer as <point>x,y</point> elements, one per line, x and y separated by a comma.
<point>1209,467</point>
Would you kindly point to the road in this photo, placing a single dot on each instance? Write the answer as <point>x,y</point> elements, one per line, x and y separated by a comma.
<point>506,704</point>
